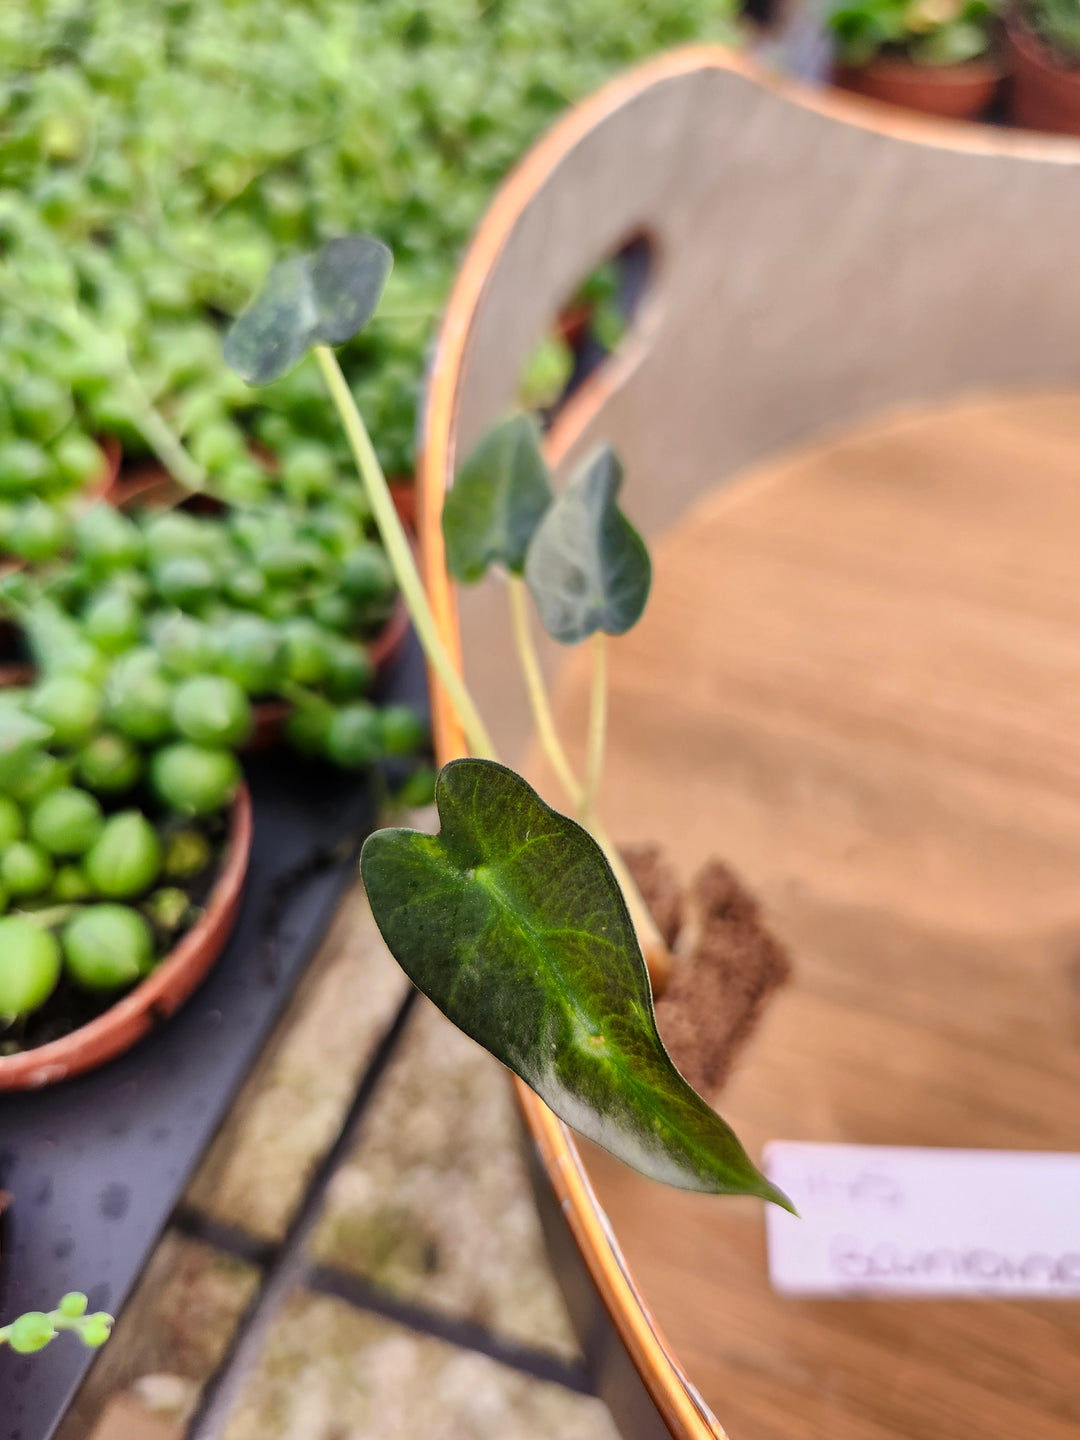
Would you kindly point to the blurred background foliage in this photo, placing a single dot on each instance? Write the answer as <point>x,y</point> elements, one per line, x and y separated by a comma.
<point>156,159</point>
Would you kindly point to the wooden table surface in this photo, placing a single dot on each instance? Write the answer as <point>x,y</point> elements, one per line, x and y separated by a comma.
<point>858,680</point>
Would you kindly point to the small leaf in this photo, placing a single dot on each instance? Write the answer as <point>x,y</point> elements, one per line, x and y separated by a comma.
<point>320,299</point>
<point>511,921</point>
<point>499,497</point>
<point>587,567</point>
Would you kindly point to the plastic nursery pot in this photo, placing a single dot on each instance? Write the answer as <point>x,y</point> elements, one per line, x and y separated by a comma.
<point>172,982</point>
<point>1043,95</point>
<point>954,92</point>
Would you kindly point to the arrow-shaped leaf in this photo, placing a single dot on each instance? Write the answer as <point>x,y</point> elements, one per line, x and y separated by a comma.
<point>511,921</point>
<point>587,567</point>
<point>321,299</point>
<point>499,497</point>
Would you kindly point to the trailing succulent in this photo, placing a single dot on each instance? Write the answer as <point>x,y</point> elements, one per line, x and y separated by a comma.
<point>519,922</point>
<point>927,32</point>
<point>34,1330</point>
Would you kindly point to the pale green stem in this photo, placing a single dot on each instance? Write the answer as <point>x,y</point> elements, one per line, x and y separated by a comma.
<point>538,698</point>
<point>416,601</point>
<point>652,942</point>
<point>594,763</point>
<point>400,555</point>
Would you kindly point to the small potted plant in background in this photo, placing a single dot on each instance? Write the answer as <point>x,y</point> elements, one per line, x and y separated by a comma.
<point>1045,40</point>
<point>938,56</point>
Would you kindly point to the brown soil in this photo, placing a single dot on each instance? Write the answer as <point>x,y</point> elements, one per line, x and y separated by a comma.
<point>722,981</point>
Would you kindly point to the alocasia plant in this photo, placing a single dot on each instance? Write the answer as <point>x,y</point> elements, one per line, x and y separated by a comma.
<point>521,924</point>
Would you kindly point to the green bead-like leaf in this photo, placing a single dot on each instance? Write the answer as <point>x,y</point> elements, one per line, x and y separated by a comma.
<point>320,299</point>
<point>498,499</point>
<point>587,567</point>
<point>511,921</point>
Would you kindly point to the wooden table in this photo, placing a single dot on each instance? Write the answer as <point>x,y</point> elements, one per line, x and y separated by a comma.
<point>858,680</point>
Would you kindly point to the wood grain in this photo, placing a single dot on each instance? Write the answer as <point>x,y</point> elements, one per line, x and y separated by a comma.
<point>858,680</point>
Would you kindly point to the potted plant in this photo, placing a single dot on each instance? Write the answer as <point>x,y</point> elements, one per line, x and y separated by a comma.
<point>1045,40</point>
<point>124,826</point>
<point>937,56</point>
<point>520,923</point>
<point>121,863</point>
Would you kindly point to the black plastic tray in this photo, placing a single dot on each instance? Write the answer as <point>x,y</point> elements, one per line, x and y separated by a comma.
<point>95,1167</point>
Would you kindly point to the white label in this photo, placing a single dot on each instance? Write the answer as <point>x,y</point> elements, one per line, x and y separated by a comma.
<point>878,1220</point>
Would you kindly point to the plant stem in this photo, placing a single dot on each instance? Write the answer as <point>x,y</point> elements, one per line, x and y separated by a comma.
<point>594,762</point>
<point>655,951</point>
<point>653,946</point>
<point>538,698</point>
<point>399,554</point>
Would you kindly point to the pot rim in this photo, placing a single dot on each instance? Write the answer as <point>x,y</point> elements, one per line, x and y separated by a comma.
<point>164,990</point>
<point>976,72</point>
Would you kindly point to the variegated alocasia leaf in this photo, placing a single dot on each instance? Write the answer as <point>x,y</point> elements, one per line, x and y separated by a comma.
<point>512,922</point>
<point>587,567</point>
<point>321,299</point>
<point>500,495</point>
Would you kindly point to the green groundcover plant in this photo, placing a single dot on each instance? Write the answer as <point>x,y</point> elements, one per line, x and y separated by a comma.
<point>927,32</point>
<point>519,922</point>
<point>156,158</point>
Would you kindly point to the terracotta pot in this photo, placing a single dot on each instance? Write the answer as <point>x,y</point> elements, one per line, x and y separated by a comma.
<point>1044,95</point>
<point>162,992</point>
<point>955,92</point>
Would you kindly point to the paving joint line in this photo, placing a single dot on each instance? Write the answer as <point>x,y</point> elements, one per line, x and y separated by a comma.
<point>361,1294</point>
<point>465,1334</point>
<point>287,1263</point>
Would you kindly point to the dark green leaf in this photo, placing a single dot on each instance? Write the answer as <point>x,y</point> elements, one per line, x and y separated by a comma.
<point>499,497</point>
<point>320,299</point>
<point>587,567</point>
<point>511,921</point>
